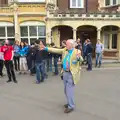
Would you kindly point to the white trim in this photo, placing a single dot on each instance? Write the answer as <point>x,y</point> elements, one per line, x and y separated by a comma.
<point>32,23</point>
<point>3,24</point>
<point>82,4</point>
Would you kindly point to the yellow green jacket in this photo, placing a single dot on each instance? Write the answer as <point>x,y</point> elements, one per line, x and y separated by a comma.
<point>74,68</point>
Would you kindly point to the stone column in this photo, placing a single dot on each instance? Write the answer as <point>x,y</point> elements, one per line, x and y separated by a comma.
<point>110,41</point>
<point>16,23</point>
<point>48,36</point>
<point>56,37</point>
<point>118,42</point>
<point>98,34</point>
<point>75,34</point>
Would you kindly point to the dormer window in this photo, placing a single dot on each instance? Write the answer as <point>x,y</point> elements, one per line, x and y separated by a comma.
<point>111,2</point>
<point>76,3</point>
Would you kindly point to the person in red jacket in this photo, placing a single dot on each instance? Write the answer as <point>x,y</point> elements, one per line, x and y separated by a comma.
<point>7,50</point>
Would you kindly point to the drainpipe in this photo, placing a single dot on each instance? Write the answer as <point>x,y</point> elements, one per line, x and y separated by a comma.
<point>86,6</point>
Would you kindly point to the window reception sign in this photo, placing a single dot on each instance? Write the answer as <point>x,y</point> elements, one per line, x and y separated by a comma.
<point>31,0</point>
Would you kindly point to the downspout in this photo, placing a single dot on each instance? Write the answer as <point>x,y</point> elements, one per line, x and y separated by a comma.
<point>86,6</point>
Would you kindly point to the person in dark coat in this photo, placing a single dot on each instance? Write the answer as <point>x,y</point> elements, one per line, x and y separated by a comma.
<point>89,50</point>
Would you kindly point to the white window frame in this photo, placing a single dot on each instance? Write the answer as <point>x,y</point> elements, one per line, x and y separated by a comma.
<point>111,3</point>
<point>82,4</point>
<point>28,24</point>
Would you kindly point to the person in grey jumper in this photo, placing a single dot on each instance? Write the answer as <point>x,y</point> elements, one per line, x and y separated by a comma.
<point>99,50</point>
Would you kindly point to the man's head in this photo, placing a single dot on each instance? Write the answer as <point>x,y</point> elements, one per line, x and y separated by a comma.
<point>37,42</point>
<point>98,41</point>
<point>88,41</point>
<point>70,44</point>
<point>7,42</point>
<point>17,42</point>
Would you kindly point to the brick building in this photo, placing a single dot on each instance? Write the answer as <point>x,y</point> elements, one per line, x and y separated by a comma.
<point>22,20</point>
<point>93,19</point>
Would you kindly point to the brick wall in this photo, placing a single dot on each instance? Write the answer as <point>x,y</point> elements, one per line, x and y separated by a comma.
<point>3,2</point>
<point>64,5</point>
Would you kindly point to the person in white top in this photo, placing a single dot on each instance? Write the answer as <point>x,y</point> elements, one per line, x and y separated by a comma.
<point>1,61</point>
<point>99,51</point>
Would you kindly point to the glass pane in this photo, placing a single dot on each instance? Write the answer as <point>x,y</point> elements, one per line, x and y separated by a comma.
<point>106,41</point>
<point>115,28</point>
<point>41,31</point>
<point>32,40</point>
<point>33,30</point>
<point>114,41</point>
<point>107,2</point>
<point>43,39</point>
<point>24,40</point>
<point>2,31</point>
<point>73,3</point>
<point>24,31</point>
<point>114,2</point>
<point>79,3</point>
<point>10,31</point>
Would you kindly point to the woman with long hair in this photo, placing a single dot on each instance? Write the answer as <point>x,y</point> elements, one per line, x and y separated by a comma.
<point>23,61</point>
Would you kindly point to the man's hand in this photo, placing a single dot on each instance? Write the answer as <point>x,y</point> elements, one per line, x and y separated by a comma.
<point>42,47</point>
<point>78,54</point>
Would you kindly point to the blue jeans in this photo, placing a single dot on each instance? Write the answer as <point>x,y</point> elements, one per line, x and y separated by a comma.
<point>89,59</point>
<point>56,65</point>
<point>49,64</point>
<point>98,59</point>
<point>39,70</point>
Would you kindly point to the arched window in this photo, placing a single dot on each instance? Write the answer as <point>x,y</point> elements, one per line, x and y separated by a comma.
<point>32,30</point>
<point>76,3</point>
<point>7,31</point>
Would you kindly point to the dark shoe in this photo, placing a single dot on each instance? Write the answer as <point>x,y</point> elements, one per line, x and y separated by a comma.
<point>15,81</point>
<point>9,81</point>
<point>20,73</point>
<point>42,80</point>
<point>54,74</point>
<point>68,110</point>
<point>66,105</point>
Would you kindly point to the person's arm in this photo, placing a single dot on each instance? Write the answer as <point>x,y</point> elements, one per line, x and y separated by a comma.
<point>102,47</point>
<point>54,50</point>
<point>12,53</point>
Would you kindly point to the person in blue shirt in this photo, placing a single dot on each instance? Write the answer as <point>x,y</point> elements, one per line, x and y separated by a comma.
<point>23,62</point>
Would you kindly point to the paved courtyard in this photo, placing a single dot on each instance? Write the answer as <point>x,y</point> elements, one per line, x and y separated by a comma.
<point>97,97</point>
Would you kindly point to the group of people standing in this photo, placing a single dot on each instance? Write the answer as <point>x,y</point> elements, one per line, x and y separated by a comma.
<point>35,57</point>
<point>88,50</point>
<point>24,58</point>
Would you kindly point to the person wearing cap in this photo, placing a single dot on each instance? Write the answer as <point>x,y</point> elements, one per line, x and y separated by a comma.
<point>8,52</point>
<point>71,59</point>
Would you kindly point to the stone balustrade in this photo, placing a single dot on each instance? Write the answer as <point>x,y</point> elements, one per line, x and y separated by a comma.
<point>85,16</point>
<point>6,10</point>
